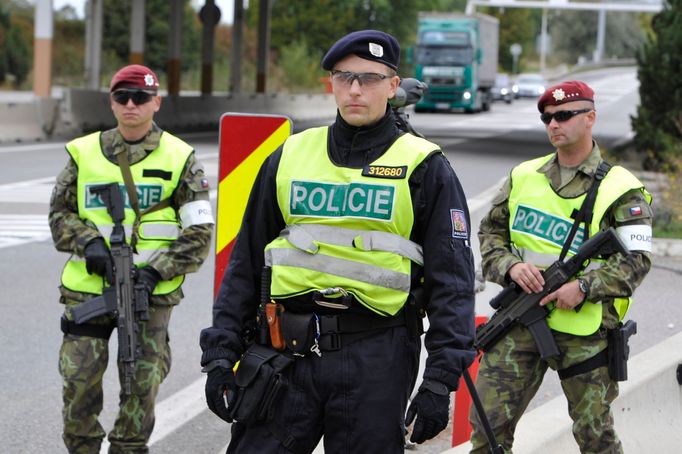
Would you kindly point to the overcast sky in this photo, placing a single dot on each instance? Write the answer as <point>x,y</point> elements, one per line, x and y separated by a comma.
<point>226,7</point>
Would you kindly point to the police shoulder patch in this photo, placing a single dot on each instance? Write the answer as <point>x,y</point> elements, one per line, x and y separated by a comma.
<point>392,172</point>
<point>459,224</point>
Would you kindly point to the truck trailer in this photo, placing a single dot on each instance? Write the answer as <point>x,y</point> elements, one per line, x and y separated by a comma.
<point>456,55</point>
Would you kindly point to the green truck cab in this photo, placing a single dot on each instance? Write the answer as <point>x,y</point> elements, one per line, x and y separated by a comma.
<point>456,55</point>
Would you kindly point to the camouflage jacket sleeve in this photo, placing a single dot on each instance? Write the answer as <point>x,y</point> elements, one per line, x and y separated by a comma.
<point>495,244</point>
<point>70,233</point>
<point>190,249</point>
<point>621,274</point>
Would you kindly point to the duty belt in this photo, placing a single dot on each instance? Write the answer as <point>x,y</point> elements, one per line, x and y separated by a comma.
<point>342,329</point>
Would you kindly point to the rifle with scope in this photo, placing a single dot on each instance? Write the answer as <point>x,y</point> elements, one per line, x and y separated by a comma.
<point>127,301</point>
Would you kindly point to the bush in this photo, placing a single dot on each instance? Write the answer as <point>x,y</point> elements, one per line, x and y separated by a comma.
<point>300,68</point>
<point>658,124</point>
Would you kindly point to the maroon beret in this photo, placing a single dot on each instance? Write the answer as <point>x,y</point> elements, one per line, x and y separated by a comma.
<point>134,76</point>
<point>372,45</point>
<point>569,91</point>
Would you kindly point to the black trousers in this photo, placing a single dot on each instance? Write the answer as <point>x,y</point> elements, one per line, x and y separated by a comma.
<point>356,397</point>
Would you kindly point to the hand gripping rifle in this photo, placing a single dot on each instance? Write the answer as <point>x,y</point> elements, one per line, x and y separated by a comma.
<point>409,92</point>
<point>513,305</point>
<point>124,299</point>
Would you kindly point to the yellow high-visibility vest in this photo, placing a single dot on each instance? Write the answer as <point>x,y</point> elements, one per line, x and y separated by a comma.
<point>156,177</point>
<point>347,228</point>
<point>540,220</point>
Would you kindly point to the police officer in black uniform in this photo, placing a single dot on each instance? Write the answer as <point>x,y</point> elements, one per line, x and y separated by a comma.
<point>356,389</point>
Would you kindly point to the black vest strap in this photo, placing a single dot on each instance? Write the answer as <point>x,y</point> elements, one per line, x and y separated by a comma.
<point>586,209</point>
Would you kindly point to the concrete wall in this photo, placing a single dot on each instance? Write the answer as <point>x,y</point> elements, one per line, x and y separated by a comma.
<point>27,121</point>
<point>648,412</point>
<point>80,111</point>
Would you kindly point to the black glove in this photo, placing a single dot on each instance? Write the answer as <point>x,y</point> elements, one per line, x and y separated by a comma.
<point>432,410</point>
<point>148,277</point>
<point>98,258</point>
<point>220,391</point>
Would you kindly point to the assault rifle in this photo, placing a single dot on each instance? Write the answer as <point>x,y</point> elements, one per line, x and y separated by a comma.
<point>513,305</point>
<point>124,299</point>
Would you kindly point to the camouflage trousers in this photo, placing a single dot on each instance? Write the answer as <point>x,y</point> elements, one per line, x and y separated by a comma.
<point>82,362</point>
<point>511,373</point>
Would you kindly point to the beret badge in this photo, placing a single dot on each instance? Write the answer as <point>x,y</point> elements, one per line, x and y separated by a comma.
<point>558,94</point>
<point>149,80</point>
<point>376,50</point>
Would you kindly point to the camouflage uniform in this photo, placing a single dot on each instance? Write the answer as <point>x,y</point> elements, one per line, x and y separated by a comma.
<point>512,371</point>
<point>83,360</point>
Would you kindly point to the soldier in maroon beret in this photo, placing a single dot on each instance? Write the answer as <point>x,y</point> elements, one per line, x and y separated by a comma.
<point>542,214</point>
<point>168,223</point>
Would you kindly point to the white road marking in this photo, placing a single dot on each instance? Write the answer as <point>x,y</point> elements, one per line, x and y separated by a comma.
<point>18,229</point>
<point>31,147</point>
<point>29,191</point>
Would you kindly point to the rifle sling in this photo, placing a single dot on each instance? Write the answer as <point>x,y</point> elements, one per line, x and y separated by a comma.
<point>124,165</point>
<point>586,209</point>
<point>601,359</point>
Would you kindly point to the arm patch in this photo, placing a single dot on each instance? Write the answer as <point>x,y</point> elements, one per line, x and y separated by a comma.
<point>197,212</point>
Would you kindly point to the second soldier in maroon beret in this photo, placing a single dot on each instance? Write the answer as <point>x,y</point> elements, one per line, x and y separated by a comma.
<point>543,214</point>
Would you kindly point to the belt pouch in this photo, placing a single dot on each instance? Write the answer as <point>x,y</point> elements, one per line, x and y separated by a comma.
<point>260,382</point>
<point>299,332</point>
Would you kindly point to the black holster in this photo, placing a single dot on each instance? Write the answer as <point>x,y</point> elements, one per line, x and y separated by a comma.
<point>619,350</point>
<point>615,357</point>
<point>260,383</point>
<point>414,312</point>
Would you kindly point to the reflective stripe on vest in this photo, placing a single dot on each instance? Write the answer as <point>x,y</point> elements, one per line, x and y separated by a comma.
<point>540,219</point>
<point>345,229</point>
<point>157,229</point>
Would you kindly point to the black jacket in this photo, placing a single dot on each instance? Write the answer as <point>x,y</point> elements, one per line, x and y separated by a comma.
<point>448,272</point>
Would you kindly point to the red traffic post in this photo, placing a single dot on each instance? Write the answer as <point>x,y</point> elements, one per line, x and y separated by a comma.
<point>461,429</point>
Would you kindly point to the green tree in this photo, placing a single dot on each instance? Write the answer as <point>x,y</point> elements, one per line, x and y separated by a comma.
<point>574,34</point>
<point>116,35</point>
<point>68,49</point>
<point>517,25</point>
<point>300,72</point>
<point>17,56</point>
<point>4,29</point>
<point>658,123</point>
<point>15,42</point>
<point>305,29</point>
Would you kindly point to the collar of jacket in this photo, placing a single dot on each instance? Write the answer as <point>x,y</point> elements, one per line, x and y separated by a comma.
<point>113,143</point>
<point>357,146</point>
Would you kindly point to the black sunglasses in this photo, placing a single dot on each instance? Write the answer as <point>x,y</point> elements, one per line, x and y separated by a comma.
<point>561,115</point>
<point>347,78</point>
<point>139,97</point>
